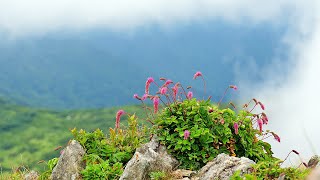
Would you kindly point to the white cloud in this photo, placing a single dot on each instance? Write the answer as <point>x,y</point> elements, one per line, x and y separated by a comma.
<point>293,100</point>
<point>41,16</point>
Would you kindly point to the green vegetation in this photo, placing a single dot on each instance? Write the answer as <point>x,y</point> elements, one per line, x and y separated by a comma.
<point>50,165</point>
<point>271,169</point>
<point>29,135</point>
<point>194,132</point>
<point>158,175</point>
<point>211,132</point>
<point>106,156</point>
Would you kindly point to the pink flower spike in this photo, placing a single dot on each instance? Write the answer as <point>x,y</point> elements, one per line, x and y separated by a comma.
<point>197,74</point>
<point>168,82</point>
<point>276,137</point>
<point>265,119</point>
<point>190,95</point>
<point>175,90</point>
<point>260,122</point>
<point>234,87</point>
<point>144,97</point>
<point>148,82</point>
<point>186,134</point>
<point>163,90</point>
<point>236,128</point>
<point>156,104</point>
<point>222,121</point>
<point>118,116</point>
<point>261,105</point>
<point>136,96</point>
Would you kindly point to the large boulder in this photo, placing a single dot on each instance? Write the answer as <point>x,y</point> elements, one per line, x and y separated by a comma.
<point>70,163</point>
<point>223,167</point>
<point>150,157</point>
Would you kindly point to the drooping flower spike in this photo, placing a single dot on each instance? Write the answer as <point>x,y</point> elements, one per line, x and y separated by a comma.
<point>190,95</point>
<point>296,152</point>
<point>276,137</point>
<point>148,82</point>
<point>118,116</point>
<point>197,74</point>
<point>233,87</point>
<point>264,118</point>
<point>136,96</point>
<point>260,122</point>
<point>163,90</point>
<point>261,105</point>
<point>168,82</point>
<point>155,103</point>
<point>144,97</point>
<point>175,90</point>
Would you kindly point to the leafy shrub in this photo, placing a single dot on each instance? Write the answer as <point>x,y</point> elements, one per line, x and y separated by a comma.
<point>271,169</point>
<point>103,170</point>
<point>196,131</point>
<point>105,156</point>
<point>50,165</point>
<point>211,132</point>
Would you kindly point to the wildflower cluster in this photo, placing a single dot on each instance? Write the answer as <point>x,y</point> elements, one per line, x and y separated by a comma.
<point>196,131</point>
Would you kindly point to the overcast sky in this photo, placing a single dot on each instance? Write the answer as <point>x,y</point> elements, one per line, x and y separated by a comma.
<point>292,101</point>
<point>40,16</point>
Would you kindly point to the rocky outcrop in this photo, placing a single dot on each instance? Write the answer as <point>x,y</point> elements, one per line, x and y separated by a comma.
<point>70,163</point>
<point>150,157</point>
<point>32,175</point>
<point>223,167</point>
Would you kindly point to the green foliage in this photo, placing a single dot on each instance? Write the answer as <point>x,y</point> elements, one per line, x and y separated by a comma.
<point>158,175</point>
<point>50,165</point>
<point>105,156</point>
<point>42,130</point>
<point>102,170</point>
<point>271,169</point>
<point>211,133</point>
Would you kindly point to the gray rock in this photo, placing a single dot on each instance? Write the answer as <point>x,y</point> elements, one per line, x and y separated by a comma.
<point>150,157</point>
<point>70,163</point>
<point>182,174</point>
<point>32,175</point>
<point>223,167</point>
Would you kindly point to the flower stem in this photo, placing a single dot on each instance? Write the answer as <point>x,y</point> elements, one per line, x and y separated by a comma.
<point>204,86</point>
<point>224,94</point>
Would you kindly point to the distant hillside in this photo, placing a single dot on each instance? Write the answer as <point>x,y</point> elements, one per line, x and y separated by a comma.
<point>99,68</point>
<point>29,135</point>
